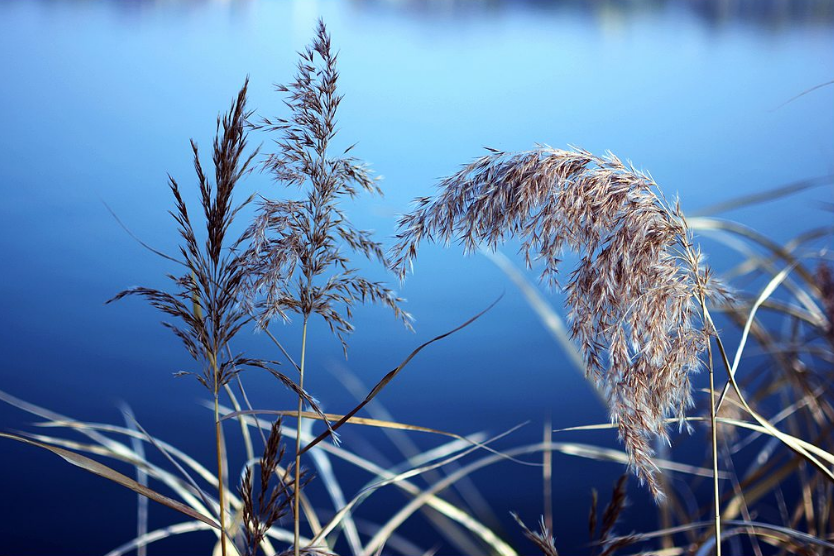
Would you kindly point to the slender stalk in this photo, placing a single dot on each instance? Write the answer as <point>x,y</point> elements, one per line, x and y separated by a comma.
<point>296,494</point>
<point>716,494</point>
<point>711,330</point>
<point>222,511</point>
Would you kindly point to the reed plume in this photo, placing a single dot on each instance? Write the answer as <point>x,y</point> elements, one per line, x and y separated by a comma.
<point>633,299</point>
<point>297,261</point>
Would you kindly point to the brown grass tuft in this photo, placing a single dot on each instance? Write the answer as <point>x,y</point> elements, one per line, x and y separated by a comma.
<point>261,512</point>
<point>543,539</point>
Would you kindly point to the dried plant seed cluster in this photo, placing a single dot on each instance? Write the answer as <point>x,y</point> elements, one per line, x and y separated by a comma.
<point>633,298</point>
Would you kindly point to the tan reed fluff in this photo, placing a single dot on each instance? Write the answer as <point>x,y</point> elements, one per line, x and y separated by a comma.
<point>633,299</point>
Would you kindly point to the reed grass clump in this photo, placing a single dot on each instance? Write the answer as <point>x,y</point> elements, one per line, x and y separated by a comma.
<point>633,299</point>
<point>637,306</point>
<point>206,298</point>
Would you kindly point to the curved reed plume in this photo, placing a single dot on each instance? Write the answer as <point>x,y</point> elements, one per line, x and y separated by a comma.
<point>633,299</point>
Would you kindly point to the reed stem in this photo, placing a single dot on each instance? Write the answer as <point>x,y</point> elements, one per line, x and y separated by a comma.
<point>222,511</point>
<point>296,493</point>
<point>712,415</point>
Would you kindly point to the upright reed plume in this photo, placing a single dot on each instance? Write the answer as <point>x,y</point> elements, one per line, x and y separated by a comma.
<point>297,259</point>
<point>206,299</point>
<point>633,298</point>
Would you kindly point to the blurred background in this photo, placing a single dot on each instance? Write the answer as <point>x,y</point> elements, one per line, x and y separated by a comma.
<point>100,98</point>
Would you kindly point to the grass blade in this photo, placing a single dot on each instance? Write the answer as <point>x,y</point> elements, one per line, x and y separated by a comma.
<point>103,471</point>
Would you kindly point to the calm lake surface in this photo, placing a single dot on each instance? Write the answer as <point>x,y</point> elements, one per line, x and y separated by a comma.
<point>99,101</point>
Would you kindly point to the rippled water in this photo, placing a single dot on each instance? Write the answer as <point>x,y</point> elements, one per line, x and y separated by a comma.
<point>100,98</point>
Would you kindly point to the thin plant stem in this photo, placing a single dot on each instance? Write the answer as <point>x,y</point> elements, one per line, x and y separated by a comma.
<point>716,494</point>
<point>711,330</point>
<point>222,511</point>
<point>296,497</point>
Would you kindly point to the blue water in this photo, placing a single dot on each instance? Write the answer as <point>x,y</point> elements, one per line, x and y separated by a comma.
<point>99,101</point>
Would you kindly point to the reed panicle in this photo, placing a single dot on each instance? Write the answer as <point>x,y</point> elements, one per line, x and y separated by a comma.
<point>297,260</point>
<point>261,512</point>
<point>206,297</point>
<point>633,299</point>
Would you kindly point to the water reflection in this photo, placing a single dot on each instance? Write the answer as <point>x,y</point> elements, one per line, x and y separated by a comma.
<point>766,14</point>
<point>772,14</point>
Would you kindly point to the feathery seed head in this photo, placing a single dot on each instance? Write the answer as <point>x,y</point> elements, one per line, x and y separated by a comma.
<point>297,260</point>
<point>632,298</point>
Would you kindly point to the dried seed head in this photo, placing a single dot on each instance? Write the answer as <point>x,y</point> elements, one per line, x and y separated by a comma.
<point>205,298</point>
<point>297,261</point>
<point>632,300</point>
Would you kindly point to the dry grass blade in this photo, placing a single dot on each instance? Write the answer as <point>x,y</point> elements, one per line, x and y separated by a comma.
<point>370,423</point>
<point>394,479</point>
<point>767,291</point>
<point>162,449</point>
<point>141,478</point>
<point>391,375</point>
<point>734,228</point>
<point>103,471</point>
<point>328,476</point>
<point>786,439</point>
<point>470,495</point>
<point>549,317</point>
<point>764,196</point>
<point>445,508</point>
<point>424,497</point>
<point>388,528</point>
<point>144,540</point>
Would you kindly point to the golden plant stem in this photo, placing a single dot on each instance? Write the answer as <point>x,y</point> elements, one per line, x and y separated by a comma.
<point>710,328</point>
<point>297,490</point>
<point>716,493</point>
<point>220,473</point>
